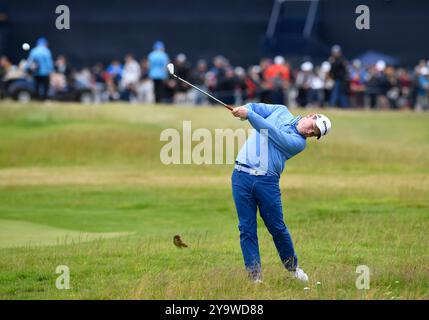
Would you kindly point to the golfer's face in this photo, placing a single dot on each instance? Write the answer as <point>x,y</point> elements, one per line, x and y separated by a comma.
<point>309,125</point>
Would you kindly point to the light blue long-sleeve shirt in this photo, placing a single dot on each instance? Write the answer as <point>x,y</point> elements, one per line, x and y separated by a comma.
<point>284,141</point>
<point>158,61</point>
<point>42,56</point>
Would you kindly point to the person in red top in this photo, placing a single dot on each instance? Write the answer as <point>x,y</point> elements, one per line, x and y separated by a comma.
<point>277,77</point>
<point>278,70</point>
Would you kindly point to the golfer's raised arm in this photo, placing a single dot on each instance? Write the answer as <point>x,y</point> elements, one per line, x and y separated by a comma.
<point>287,144</point>
<point>264,110</point>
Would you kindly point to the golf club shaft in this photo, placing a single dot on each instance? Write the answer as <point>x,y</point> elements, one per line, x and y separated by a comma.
<point>202,91</point>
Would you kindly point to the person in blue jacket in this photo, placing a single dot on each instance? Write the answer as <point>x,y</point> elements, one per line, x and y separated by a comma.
<point>41,65</point>
<point>278,136</point>
<point>158,61</point>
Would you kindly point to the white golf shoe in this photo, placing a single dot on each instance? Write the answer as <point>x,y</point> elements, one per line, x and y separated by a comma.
<point>300,275</point>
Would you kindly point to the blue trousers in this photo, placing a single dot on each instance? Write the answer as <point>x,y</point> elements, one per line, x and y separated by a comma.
<point>337,94</point>
<point>263,192</point>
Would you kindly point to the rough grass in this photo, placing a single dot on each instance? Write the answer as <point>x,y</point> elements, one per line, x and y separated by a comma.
<point>361,196</point>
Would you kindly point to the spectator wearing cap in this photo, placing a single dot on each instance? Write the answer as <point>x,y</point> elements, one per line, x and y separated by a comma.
<point>304,81</point>
<point>41,65</point>
<point>157,62</point>
<point>328,82</point>
<point>317,88</point>
<point>378,85</point>
<point>339,75</point>
<point>383,84</point>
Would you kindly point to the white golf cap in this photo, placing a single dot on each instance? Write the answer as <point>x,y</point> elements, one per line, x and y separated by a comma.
<point>324,125</point>
<point>279,60</point>
<point>380,65</point>
<point>326,66</point>
<point>424,71</point>
<point>307,66</point>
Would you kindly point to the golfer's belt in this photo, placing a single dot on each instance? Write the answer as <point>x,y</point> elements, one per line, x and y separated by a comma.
<point>250,171</point>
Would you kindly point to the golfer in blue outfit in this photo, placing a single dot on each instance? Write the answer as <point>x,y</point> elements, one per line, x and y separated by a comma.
<point>278,136</point>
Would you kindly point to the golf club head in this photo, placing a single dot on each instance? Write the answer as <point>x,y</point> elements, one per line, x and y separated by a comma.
<point>170,68</point>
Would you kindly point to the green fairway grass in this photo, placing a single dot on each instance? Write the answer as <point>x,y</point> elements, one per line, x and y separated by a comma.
<point>83,186</point>
<point>17,234</point>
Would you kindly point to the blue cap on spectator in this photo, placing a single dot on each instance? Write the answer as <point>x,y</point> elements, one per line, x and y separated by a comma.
<point>159,45</point>
<point>42,41</point>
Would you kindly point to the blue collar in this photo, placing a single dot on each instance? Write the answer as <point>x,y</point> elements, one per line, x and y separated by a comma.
<point>295,120</point>
<point>294,123</point>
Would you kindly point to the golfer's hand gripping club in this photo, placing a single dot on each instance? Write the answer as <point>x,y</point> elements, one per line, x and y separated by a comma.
<point>240,112</point>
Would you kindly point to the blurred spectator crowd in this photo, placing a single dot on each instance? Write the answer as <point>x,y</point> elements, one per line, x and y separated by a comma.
<point>335,82</point>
